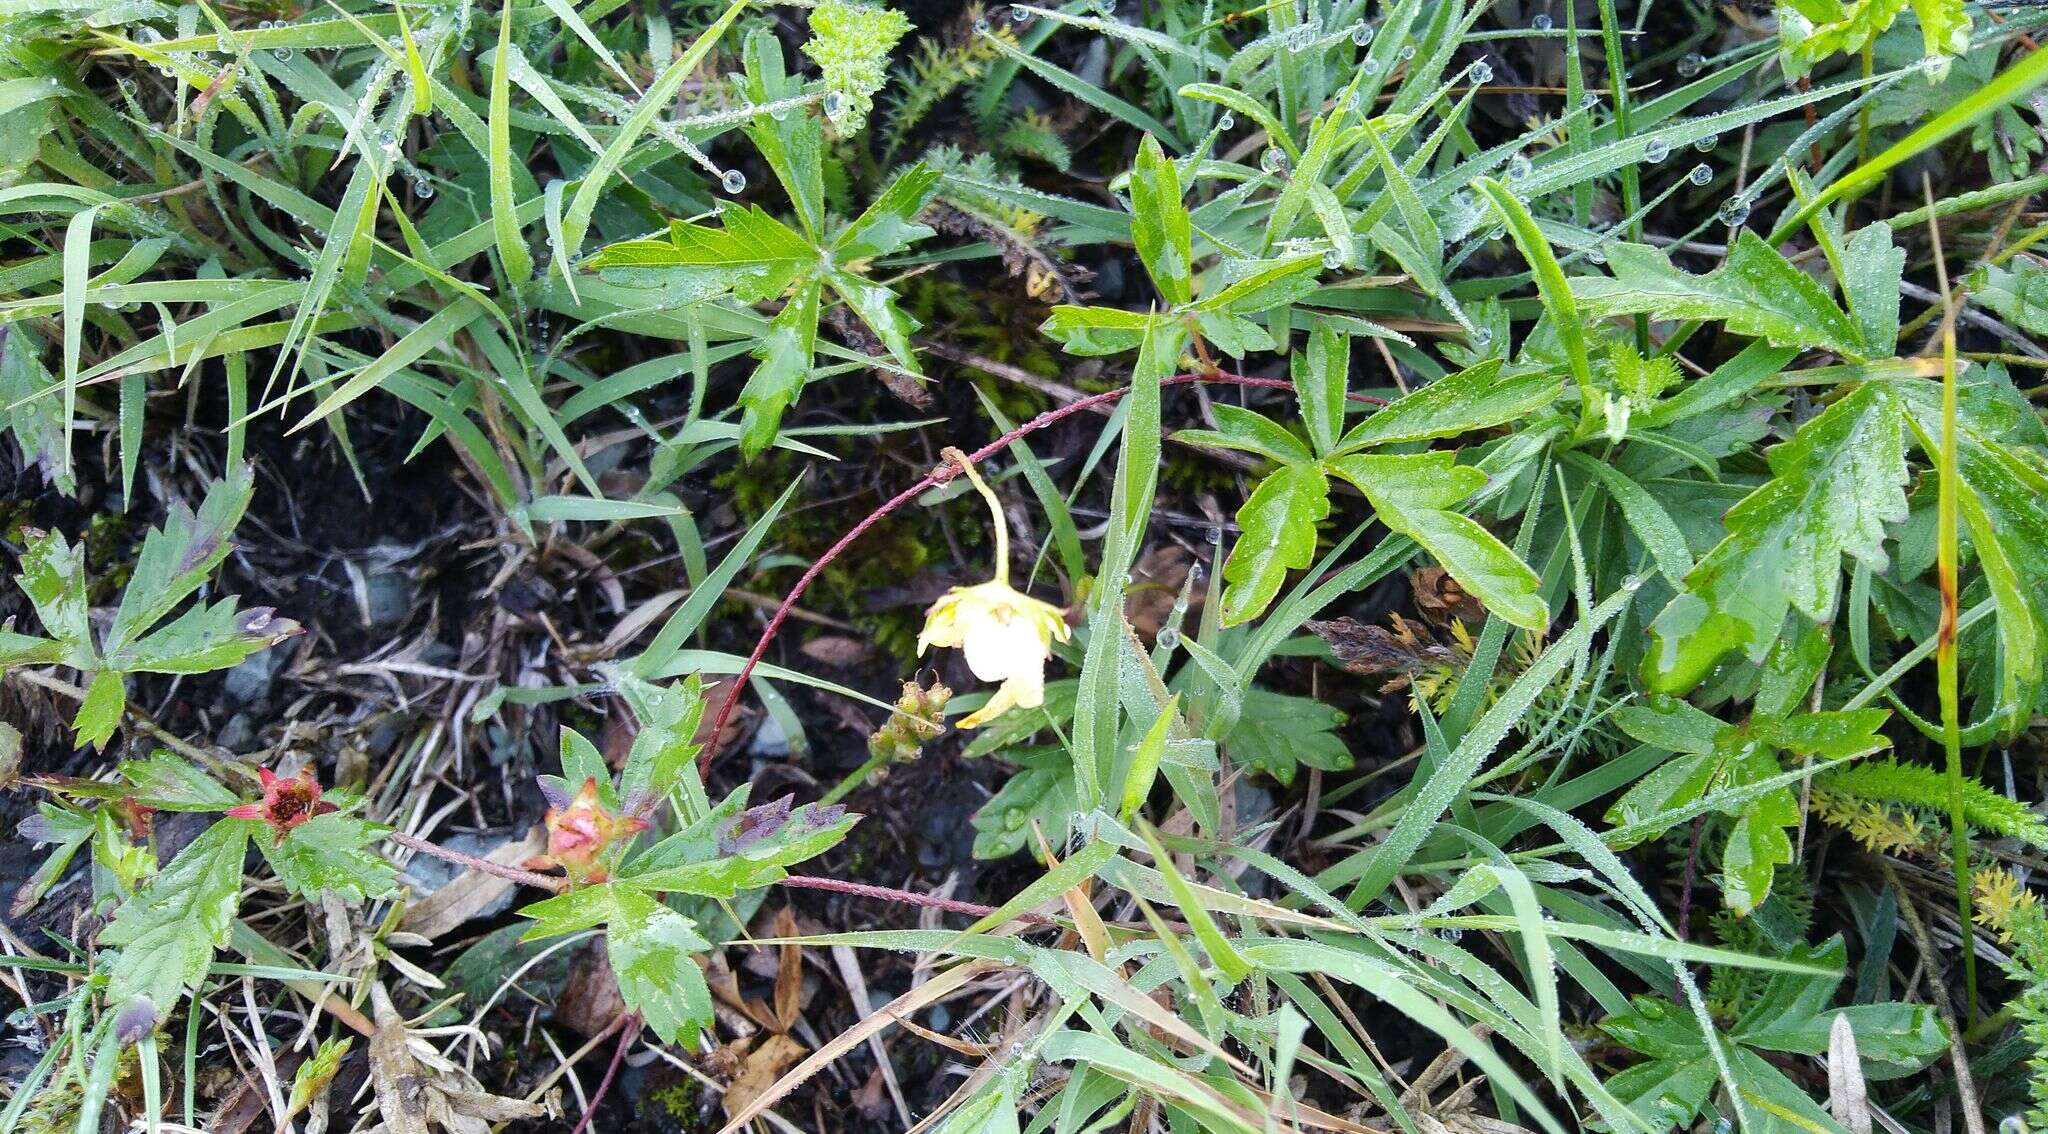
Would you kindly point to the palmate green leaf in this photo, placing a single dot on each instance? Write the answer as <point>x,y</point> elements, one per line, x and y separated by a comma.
<point>333,853</point>
<point>1756,293</point>
<point>1477,398</point>
<point>168,932</point>
<point>1040,791</point>
<point>1159,223</point>
<point>1835,486</point>
<point>739,847</point>
<point>2018,290</point>
<point>1727,758</point>
<point>666,743</point>
<point>1278,522</point>
<point>1412,493</point>
<point>652,950</point>
<point>1280,734</point>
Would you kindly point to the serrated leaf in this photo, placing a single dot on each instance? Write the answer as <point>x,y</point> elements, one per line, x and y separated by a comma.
<point>889,224</point>
<point>666,743</point>
<point>168,932</point>
<point>785,363</point>
<point>178,558</point>
<point>1477,398</point>
<point>1279,734</point>
<point>651,947</point>
<point>35,418</point>
<point>1249,431</point>
<point>1835,485</point>
<point>99,711</point>
<point>1413,493</point>
<point>1756,292</point>
<point>332,853</point>
<point>53,578</point>
<point>1159,223</point>
<point>1096,331</point>
<point>1040,790</point>
<point>1278,522</point>
<point>1251,286</point>
<point>205,638</point>
<point>754,254</point>
<point>1321,376</point>
<point>169,782</point>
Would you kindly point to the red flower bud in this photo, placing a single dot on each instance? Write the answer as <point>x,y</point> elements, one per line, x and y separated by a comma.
<point>581,830</point>
<point>286,802</point>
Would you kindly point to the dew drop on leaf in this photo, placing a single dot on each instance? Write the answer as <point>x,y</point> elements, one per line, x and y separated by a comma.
<point>1656,150</point>
<point>1482,72</point>
<point>1701,174</point>
<point>1541,21</point>
<point>1691,65</point>
<point>732,180</point>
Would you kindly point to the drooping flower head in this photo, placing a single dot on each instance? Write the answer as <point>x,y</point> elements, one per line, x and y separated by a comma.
<point>287,801</point>
<point>1007,635</point>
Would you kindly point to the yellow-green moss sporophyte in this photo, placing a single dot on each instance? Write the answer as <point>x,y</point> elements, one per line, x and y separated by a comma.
<point>1007,635</point>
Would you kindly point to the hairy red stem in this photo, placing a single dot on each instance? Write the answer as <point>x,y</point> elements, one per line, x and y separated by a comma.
<point>936,477</point>
<point>481,865</point>
<point>629,1027</point>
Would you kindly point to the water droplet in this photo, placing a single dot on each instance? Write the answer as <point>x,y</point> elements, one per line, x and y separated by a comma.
<point>1733,212</point>
<point>1019,15</point>
<point>1482,73</point>
<point>266,25</point>
<point>1656,150</point>
<point>835,104</point>
<point>387,139</point>
<point>1369,65</point>
<point>1406,53</point>
<point>1226,123</point>
<point>1541,21</point>
<point>1169,638</point>
<point>778,110</point>
<point>1691,65</point>
<point>1274,161</point>
<point>1212,534</point>
<point>423,189</point>
<point>1300,38</point>
<point>1362,34</point>
<point>981,26</point>
<point>1499,232</point>
<point>281,54</point>
<point>1481,336</point>
<point>224,44</point>
<point>733,181</point>
<point>1700,174</point>
<point>1333,259</point>
<point>1595,255</point>
<point>1724,1126</point>
<point>147,34</point>
<point>1589,100</point>
<point>1707,144</point>
<point>2012,1124</point>
<point>1519,167</point>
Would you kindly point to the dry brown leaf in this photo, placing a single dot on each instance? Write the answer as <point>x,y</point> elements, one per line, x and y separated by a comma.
<point>418,1091</point>
<point>1439,598</point>
<point>836,649</point>
<point>590,1002</point>
<point>758,1072</point>
<point>472,891</point>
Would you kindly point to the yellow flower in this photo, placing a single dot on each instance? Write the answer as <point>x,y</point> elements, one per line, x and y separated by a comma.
<point>1007,635</point>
